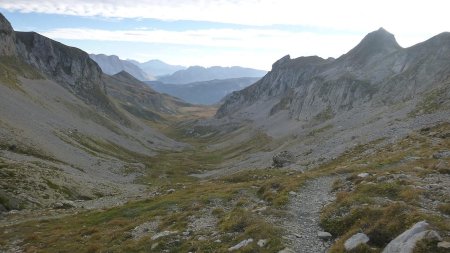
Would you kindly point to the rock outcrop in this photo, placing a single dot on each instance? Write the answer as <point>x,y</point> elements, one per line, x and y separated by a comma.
<point>406,242</point>
<point>7,38</point>
<point>282,159</point>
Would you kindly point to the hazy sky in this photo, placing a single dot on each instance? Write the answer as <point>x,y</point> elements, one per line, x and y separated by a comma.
<point>250,33</point>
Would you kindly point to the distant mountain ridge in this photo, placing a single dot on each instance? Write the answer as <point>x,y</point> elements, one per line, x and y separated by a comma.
<point>206,92</point>
<point>157,67</point>
<point>377,70</point>
<point>112,64</point>
<point>199,74</point>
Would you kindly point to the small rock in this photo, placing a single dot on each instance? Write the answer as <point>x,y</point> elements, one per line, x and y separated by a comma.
<point>363,175</point>
<point>324,235</point>
<point>162,234</point>
<point>381,178</point>
<point>241,244</point>
<point>355,241</point>
<point>444,245</point>
<point>170,191</point>
<point>186,233</point>
<point>292,193</point>
<point>218,241</point>
<point>441,154</point>
<point>65,204</point>
<point>261,209</point>
<point>154,245</point>
<point>282,159</point>
<point>262,242</point>
<point>202,238</point>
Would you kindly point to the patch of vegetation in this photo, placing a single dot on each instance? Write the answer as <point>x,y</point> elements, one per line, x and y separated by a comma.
<point>432,102</point>
<point>324,115</point>
<point>11,68</point>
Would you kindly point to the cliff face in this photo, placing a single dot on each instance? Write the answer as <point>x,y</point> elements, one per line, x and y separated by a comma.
<point>7,38</point>
<point>66,65</point>
<point>70,67</point>
<point>376,72</point>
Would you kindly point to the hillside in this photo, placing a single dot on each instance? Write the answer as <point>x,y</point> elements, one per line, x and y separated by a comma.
<point>199,74</point>
<point>62,128</point>
<point>376,90</point>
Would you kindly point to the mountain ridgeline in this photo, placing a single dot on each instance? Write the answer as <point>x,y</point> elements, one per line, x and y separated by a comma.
<point>377,72</point>
<point>111,65</point>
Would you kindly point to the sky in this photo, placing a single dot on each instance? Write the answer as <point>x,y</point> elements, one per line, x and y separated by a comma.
<point>249,33</point>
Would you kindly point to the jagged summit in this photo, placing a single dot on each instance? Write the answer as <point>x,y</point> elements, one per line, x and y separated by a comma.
<point>376,43</point>
<point>5,26</point>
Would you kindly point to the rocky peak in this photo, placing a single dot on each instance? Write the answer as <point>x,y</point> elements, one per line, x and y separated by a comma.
<point>5,26</point>
<point>375,44</point>
<point>285,59</point>
<point>7,38</point>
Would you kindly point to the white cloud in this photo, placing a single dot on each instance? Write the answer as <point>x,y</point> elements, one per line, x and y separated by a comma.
<point>266,40</point>
<point>401,16</point>
<point>346,21</point>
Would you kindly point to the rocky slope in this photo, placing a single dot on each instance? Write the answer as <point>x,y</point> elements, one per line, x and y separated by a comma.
<point>376,90</point>
<point>199,74</point>
<point>206,92</point>
<point>65,136</point>
<point>112,64</point>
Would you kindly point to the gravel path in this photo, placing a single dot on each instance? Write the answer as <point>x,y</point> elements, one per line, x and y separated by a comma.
<point>303,224</point>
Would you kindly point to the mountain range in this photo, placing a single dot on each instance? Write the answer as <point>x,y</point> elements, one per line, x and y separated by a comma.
<point>376,90</point>
<point>206,92</point>
<point>112,64</point>
<point>200,74</point>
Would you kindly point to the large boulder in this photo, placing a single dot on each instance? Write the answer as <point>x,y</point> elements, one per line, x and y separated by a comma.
<point>282,159</point>
<point>355,241</point>
<point>406,242</point>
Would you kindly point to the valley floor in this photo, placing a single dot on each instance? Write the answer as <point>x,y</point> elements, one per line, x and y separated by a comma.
<point>255,210</point>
